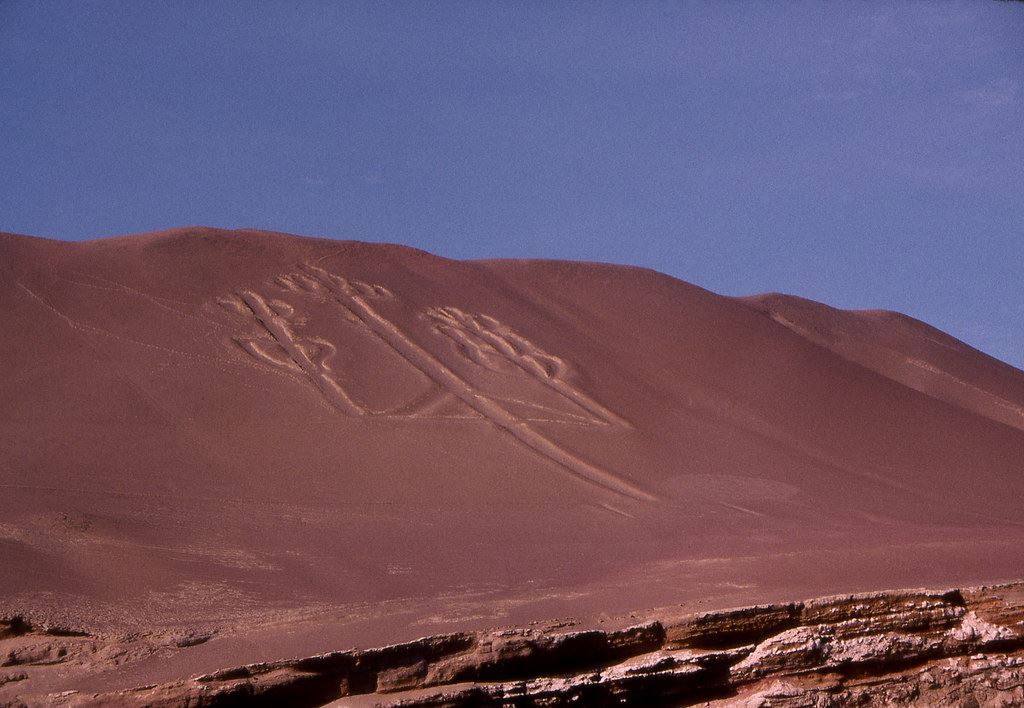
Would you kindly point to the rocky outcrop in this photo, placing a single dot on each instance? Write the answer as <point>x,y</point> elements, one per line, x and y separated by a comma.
<point>963,647</point>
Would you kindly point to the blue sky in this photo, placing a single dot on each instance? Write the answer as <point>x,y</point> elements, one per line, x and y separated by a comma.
<point>863,154</point>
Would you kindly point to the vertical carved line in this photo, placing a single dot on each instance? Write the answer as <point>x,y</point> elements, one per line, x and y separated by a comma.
<point>278,328</point>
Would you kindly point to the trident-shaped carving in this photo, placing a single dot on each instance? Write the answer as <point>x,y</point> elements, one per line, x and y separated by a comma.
<point>480,338</point>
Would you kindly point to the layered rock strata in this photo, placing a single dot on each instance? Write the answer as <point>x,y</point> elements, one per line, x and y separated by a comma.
<point>913,647</point>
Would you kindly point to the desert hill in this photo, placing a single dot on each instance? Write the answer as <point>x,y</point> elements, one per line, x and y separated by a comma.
<point>256,445</point>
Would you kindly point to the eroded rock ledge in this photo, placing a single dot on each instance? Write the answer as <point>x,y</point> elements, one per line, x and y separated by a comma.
<point>962,646</point>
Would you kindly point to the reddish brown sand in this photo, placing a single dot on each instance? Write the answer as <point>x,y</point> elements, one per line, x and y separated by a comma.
<point>302,445</point>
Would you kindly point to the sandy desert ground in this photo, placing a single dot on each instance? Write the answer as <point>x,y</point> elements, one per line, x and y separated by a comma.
<point>224,447</point>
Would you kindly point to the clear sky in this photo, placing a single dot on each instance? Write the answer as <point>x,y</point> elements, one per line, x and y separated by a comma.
<point>862,154</point>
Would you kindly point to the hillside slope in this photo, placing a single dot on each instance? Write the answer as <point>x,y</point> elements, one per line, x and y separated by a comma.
<point>295,445</point>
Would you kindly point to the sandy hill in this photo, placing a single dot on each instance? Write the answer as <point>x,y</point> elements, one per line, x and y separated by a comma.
<point>294,445</point>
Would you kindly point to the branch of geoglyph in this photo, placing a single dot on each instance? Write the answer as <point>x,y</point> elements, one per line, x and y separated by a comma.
<point>487,342</point>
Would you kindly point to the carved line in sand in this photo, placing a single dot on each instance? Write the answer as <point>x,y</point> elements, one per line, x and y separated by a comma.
<point>310,356</point>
